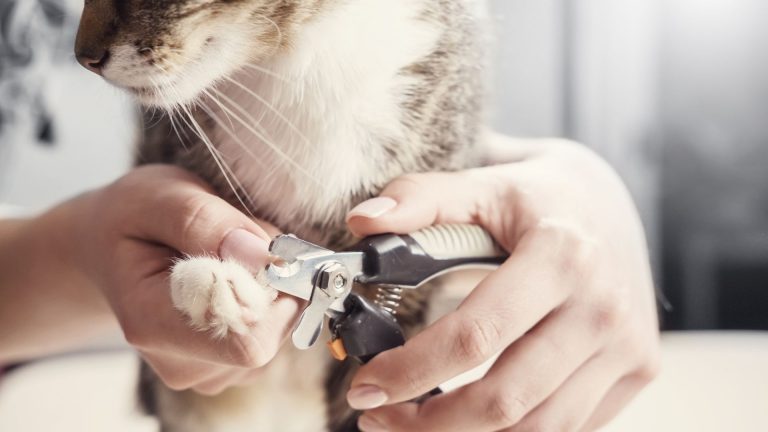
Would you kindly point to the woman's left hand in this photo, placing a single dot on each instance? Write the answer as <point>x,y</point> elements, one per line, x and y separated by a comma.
<point>572,311</point>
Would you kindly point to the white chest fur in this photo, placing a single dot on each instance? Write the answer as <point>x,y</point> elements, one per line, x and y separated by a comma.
<point>300,133</point>
<point>313,119</point>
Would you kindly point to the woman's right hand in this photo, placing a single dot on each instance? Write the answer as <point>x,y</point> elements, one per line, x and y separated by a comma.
<point>130,234</point>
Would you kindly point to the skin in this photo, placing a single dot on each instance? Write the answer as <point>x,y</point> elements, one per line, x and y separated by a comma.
<point>106,256</point>
<point>572,311</point>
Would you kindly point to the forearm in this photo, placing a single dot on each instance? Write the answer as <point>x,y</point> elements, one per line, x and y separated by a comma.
<point>47,304</point>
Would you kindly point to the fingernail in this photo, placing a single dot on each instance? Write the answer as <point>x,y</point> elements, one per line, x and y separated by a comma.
<point>372,208</point>
<point>246,248</point>
<point>366,397</point>
<point>367,423</point>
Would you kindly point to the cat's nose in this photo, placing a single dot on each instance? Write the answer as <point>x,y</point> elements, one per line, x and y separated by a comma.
<point>93,60</point>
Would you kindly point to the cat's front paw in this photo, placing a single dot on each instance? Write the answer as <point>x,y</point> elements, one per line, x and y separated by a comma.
<point>219,296</point>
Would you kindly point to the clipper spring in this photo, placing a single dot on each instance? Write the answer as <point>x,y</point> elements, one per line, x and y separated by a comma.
<point>388,298</point>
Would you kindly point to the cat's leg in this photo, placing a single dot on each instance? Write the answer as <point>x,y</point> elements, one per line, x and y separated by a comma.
<point>219,296</point>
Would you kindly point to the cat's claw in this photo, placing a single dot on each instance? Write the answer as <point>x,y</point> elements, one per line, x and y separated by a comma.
<point>219,296</point>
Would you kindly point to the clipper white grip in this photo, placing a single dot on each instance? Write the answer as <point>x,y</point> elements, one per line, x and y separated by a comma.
<point>457,241</point>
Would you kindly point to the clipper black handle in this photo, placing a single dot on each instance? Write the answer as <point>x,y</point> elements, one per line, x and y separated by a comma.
<point>412,259</point>
<point>366,331</point>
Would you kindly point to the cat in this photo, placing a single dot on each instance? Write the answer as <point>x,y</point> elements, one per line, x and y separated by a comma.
<point>294,111</point>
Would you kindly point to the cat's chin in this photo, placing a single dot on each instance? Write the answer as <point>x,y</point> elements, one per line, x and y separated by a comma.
<point>151,99</point>
<point>166,97</point>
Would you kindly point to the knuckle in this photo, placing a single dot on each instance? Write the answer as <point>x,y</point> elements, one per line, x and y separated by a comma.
<point>553,424</point>
<point>209,389</point>
<point>506,409</point>
<point>125,183</point>
<point>176,383</point>
<point>545,424</point>
<point>174,378</point>
<point>198,213</point>
<point>477,339</point>
<point>526,201</point>
<point>610,313</point>
<point>556,350</point>
<point>413,381</point>
<point>248,360</point>
<point>135,336</point>
<point>649,370</point>
<point>576,253</point>
<point>250,354</point>
<point>412,179</point>
<point>133,184</point>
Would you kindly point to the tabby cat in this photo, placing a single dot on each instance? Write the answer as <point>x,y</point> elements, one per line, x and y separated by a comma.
<point>295,111</point>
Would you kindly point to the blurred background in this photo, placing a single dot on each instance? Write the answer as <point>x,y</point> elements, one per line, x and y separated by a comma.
<point>673,93</point>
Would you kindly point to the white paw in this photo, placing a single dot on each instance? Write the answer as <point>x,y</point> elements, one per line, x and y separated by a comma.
<point>219,296</point>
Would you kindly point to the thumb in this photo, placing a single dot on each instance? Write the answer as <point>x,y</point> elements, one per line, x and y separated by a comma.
<point>168,206</point>
<point>416,201</point>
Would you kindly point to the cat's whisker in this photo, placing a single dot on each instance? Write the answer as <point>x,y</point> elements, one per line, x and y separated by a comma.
<point>176,130</point>
<point>255,128</point>
<point>261,136</point>
<point>154,115</point>
<point>217,102</point>
<point>277,27</point>
<point>218,158</point>
<point>208,93</point>
<point>174,108</point>
<point>234,136</point>
<point>270,73</point>
<point>272,167</point>
<point>229,176</point>
<point>274,110</point>
<point>230,131</point>
<point>239,184</point>
<point>217,155</point>
<point>256,122</point>
<point>170,113</point>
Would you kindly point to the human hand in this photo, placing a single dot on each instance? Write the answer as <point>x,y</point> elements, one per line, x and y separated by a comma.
<point>135,229</point>
<point>571,312</point>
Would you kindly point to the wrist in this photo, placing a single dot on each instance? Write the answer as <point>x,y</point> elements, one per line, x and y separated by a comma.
<point>58,239</point>
<point>63,245</point>
<point>44,295</point>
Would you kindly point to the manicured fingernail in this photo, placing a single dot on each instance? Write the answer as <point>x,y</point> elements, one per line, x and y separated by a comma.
<point>246,248</point>
<point>372,208</point>
<point>366,397</point>
<point>367,423</point>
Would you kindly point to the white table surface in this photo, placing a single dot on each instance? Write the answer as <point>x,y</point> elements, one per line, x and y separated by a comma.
<point>709,382</point>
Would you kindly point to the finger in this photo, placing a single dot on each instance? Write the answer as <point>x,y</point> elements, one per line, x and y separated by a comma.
<point>616,399</point>
<point>180,373</point>
<point>415,201</point>
<point>526,374</point>
<point>506,305</point>
<point>577,399</point>
<point>149,308</point>
<point>233,377</point>
<point>220,382</point>
<point>170,206</point>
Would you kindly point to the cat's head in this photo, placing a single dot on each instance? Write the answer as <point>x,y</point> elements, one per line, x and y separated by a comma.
<point>167,52</point>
